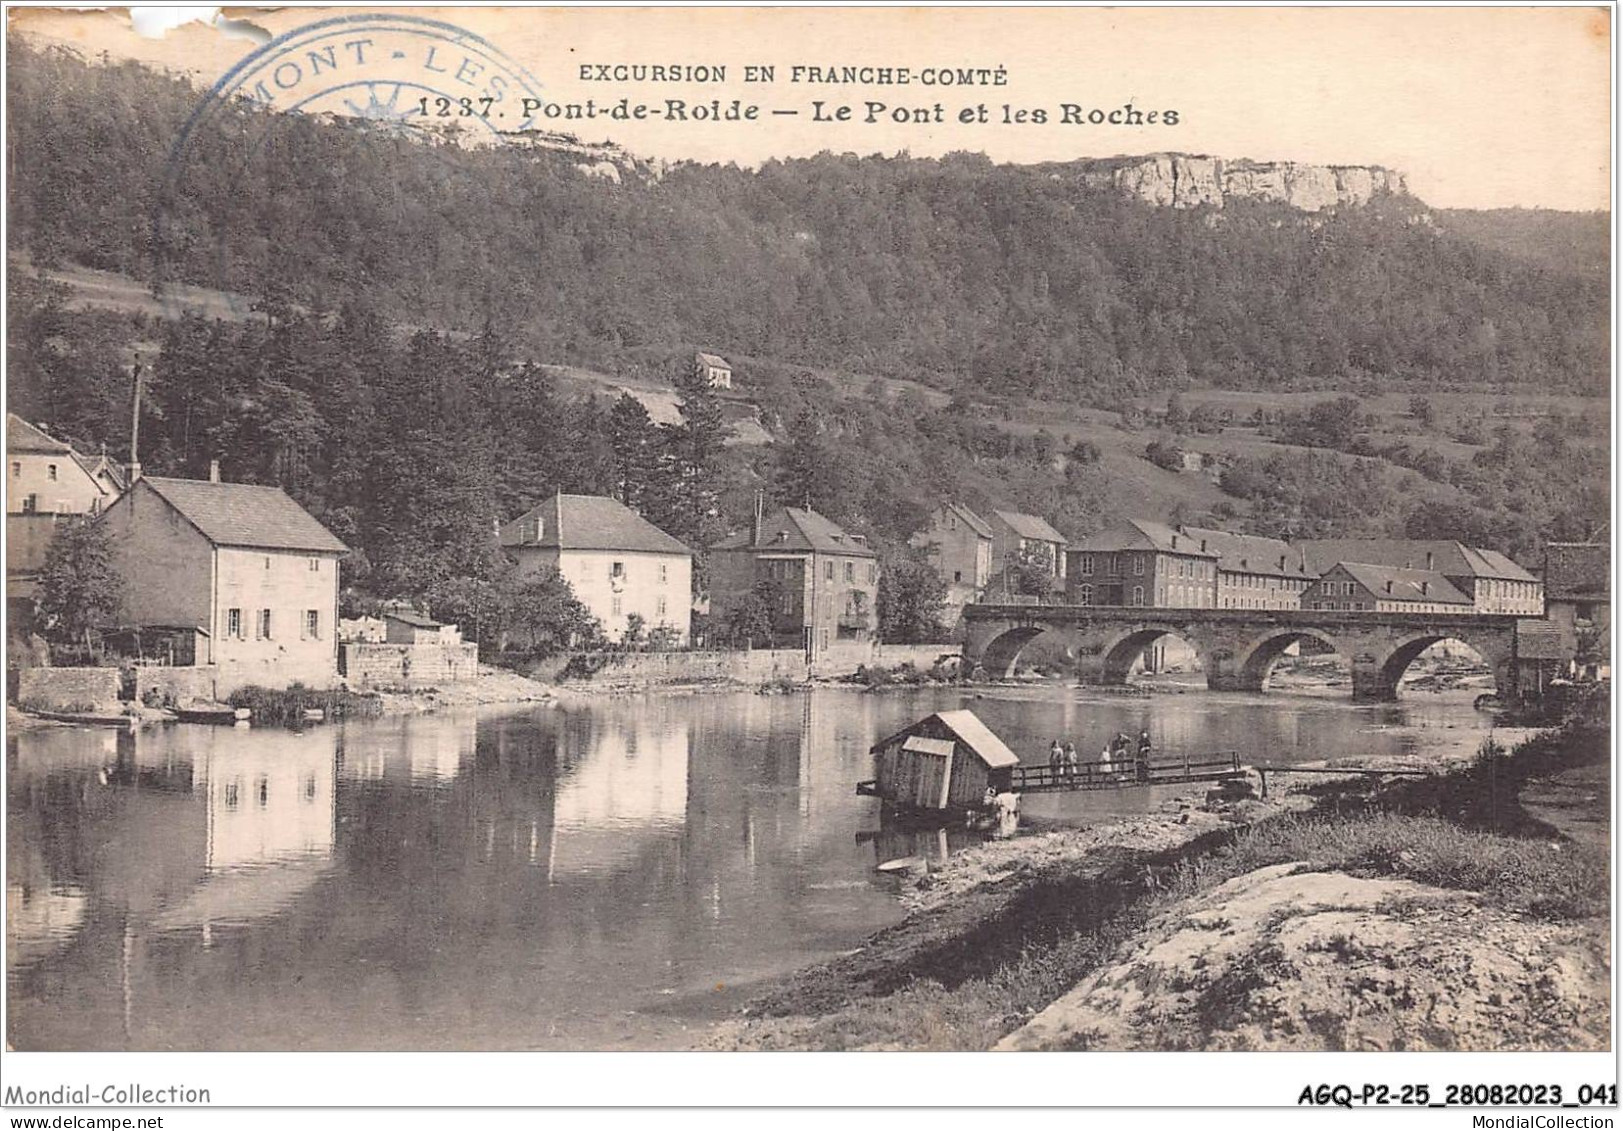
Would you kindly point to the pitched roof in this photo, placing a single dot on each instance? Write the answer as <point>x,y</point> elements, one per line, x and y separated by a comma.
<point>1030,526</point>
<point>978,737</point>
<point>714,359</point>
<point>1445,556</point>
<point>1406,583</point>
<point>970,731</point>
<point>1537,640</point>
<point>1251,553</point>
<point>1577,569</point>
<point>245,514</point>
<point>794,528</point>
<point>22,436</point>
<point>974,521</point>
<point>1141,534</point>
<point>588,522</point>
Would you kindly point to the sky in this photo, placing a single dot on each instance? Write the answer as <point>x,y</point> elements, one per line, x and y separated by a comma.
<point>1478,107</point>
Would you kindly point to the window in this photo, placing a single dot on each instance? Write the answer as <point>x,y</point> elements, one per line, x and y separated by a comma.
<point>957,575</point>
<point>264,632</point>
<point>1138,565</point>
<point>1087,565</point>
<point>230,795</point>
<point>264,792</point>
<point>233,623</point>
<point>16,467</point>
<point>1584,611</point>
<point>310,787</point>
<point>618,602</point>
<point>1084,594</point>
<point>50,472</point>
<point>267,561</point>
<point>315,565</point>
<point>828,571</point>
<point>617,570</point>
<point>661,611</point>
<point>312,623</point>
<point>1138,594</point>
<point>664,574</point>
<point>850,571</point>
<point>30,504</point>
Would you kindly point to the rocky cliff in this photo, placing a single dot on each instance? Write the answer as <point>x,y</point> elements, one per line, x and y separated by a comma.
<point>1179,180</point>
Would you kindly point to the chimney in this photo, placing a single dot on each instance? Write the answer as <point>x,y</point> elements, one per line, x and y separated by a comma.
<point>1389,585</point>
<point>1425,587</point>
<point>1428,560</point>
<point>755,524</point>
<point>214,471</point>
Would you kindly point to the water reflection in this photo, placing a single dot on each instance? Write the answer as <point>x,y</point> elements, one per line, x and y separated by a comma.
<point>600,876</point>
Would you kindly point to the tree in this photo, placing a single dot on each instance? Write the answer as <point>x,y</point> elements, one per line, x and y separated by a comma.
<point>548,618</point>
<point>806,471</point>
<point>80,590</point>
<point>912,599</point>
<point>635,446</point>
<point>1163,455</point>
<point>750,623</point>
<point>685,503</point>
<point>1030,572</point>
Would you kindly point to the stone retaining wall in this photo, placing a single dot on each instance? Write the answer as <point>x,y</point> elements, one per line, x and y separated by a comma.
<point>748,667</point>
<point>61,689</point>
<point>174,685</point>
<point>407,665</point>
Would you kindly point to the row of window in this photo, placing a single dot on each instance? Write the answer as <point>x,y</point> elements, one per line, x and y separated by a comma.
<point>17,470</point>
<point>617,606</point>
<point>264,623</point>
<point>63,506</point>
<point>1515,590</point>
<point>618,572</point>
<point>1262,581</point>
<point>231,793</point>
<point>851,571</point>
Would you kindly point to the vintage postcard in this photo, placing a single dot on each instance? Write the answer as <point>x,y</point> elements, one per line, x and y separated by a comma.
<point>580,530</point>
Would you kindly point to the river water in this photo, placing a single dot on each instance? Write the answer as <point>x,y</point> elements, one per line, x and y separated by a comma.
<point>615,874</point>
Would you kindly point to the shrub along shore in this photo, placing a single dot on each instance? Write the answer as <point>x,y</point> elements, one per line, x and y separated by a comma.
<point>1029,942</point>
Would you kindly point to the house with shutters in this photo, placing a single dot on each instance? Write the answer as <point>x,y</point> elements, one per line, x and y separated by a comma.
<point>1357,587</point>
<point>1493,582</point>
<point>48,484</point>
<point>1151,564</point>
<point>618,563</point>
<point>825,580</point>
<point>241,569</point>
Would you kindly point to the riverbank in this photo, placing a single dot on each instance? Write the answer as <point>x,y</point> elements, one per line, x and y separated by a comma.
<point>1328,917</point>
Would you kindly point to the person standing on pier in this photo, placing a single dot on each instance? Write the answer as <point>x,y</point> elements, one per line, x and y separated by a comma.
<point>1142,762</point>
<point>1073,764</point>
<point>1056,760</point>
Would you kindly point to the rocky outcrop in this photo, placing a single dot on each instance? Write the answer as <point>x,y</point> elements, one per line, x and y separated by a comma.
<point>1179,180</point>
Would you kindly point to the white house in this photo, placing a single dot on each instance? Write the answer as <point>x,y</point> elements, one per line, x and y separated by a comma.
<point>617,562</point>
<point>243,564</point>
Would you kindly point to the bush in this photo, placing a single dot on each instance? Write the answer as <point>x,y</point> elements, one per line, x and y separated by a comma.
<point>286,707</point>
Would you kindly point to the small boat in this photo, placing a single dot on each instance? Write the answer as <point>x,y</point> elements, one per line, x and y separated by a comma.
<point>314,714</point>
<point>219,714</point>
<point>90,718</point>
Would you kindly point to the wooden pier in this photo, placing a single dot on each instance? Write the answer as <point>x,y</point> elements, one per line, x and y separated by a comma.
<point>1213,767</point>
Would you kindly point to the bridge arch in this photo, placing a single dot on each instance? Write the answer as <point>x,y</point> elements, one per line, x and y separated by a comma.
<point>1114,657</point>
<point>1380,680</point>
<point>1001,653</point>
<point>1257,658</point>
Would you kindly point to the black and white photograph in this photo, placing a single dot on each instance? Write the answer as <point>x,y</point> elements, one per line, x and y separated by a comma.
<point>739,530</point>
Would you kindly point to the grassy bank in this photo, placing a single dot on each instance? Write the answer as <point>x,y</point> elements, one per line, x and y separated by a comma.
<point>287,706</point>
<point>965,972</point>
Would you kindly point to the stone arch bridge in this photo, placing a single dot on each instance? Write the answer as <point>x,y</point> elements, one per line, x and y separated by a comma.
<point>1238,648</point>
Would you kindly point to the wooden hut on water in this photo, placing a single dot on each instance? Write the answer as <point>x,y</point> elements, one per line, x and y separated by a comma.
<point>945,763</point>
